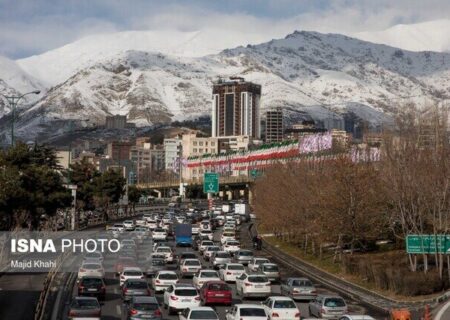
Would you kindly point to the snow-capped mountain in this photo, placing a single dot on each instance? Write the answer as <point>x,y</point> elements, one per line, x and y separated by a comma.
<point>13,80</point>
<point>424,36</point>
<point>321,76</point>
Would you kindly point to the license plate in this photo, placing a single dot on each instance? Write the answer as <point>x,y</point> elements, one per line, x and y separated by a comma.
<point>146,316</point>
<point>91,290</point>
<point>220,295</point>
<point>186,300</point>
<point>259,287</point>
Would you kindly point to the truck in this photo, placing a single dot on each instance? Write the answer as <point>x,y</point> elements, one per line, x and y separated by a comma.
<point>242,208</point>
<point>226,208</point>
<point>183,235</point>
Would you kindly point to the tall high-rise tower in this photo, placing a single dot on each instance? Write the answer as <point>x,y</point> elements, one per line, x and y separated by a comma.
<point>236,108</point>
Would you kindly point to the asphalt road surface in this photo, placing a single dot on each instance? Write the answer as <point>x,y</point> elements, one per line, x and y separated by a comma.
<point>113,307</point>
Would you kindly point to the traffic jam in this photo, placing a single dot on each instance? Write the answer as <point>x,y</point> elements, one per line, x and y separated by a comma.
<point>191,264</point>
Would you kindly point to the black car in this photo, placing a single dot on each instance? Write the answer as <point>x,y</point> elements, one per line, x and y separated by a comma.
<point>92,286</point>
<point>154,265</point>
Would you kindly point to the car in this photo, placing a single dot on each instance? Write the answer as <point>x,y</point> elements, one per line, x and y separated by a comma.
<point>231,271</point>
<point>198,313</point>
<point>227,236</point>
<point>204,244</point>
<point>128,243</point>
<point>143,307</point>
<point>130,273</point>
<point>255,262</point>
<point>147,217</point>
<point>203,276</point>
<point>135,287</point>
<point>167,251</point>
<point>186,255</point>
<point>356,317</point>
<point>197,240</point>
<point>119,226</point>
<point>129,225</point>
<point>243,256</point>
<point>220,258</point>
<point>209,252</point>
<point>123,262</point>
<point>92,286</point>
<point>195,229</point>
<point>205,225</point>
<point>298,289</point>
<point>91,269</point>
<point>246,312</point>
<point>190,267</point>
<point>155,263</point>
<point>95,256</point>
<point>180,296</point>
<point>152,224</point>
<point>159,234</point>
<point>85,307</point>
<point>253,285</point>
<point>207,233</point>
<point>281,308</point>
<point>163,279</point>
<point>231,246</point>
<point>271,270</point>
<point>328,307</point>
<point>216,292</point>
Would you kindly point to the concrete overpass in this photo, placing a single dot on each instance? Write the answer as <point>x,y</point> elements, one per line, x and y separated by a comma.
<point>231,188</point>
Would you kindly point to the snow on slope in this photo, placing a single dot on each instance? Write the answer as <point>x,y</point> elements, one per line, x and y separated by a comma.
<point>425,36</point>
<point>56,66</point>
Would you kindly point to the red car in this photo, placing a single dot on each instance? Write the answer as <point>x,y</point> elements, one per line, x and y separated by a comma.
<point>216,292</point>
<point>123,262</point>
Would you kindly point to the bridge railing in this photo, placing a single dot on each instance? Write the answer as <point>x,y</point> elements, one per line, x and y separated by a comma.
<point>194,181</point>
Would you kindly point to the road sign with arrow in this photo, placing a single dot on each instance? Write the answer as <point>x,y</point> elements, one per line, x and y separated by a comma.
<point>210,182</point>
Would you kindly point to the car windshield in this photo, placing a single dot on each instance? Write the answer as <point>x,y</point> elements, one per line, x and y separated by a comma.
<point>284,304</point>
<point>209,274</point>
<point>137,285</point>
<point>261,261</point>
<point>132,273</point>
<point>232,243</point>
<point>91,281</point>
<point>219,287</point>
<point>158,262</point>
<point>246,253</point>
<point>165,250</point>
<point>192,263</point>
<point>334,302</point>
<point>235,267</point>
<point>85,304</point>
<point>207,243</point>
<point>271,268</point>
<point>145,306</point>
<point>203,314</point>
<point>222,255</point>
<point>302,283</point>
<point>186,292</point>
<point>253,312</point>
<point>188,255</point>
<point>258,279</point>
<point>213,249</point>
<point>168,276</point>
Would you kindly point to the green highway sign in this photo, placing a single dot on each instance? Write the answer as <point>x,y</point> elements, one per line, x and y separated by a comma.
<point>428,244</point>
<point>255,173</point>
<point>210,182</point>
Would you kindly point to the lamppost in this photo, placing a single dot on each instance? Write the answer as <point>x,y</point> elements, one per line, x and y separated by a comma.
<point>13,102</point>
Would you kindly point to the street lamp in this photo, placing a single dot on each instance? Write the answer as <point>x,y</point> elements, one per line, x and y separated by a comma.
<point>13,102</point>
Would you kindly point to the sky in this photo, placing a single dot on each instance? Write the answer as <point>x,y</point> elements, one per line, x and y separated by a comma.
<point>29,27</point>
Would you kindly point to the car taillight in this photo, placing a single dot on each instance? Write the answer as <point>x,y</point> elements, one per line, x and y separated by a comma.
<point>174,298</point>
<point>72,313</point>
<point>157,281</point>
<point>142,277</point>
<point>228,273</point>
<point>103,288</point>
<point>247,284</point>
<point>157,312</point>
<point>149,292</point>
<point>122,277</point>
<point>323,310</point>
<point>133,311</point>
<point>81,287</point>
<point>268,284</point>
<point>197,298</point>
<point>275,315</point>
<point>297,315</point>
<point>125,290</point>
<point>313,291</point>
<point>185,269</point>
<point>82,270</point>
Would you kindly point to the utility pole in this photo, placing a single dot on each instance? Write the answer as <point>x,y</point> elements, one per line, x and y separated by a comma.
<point>13,101</point>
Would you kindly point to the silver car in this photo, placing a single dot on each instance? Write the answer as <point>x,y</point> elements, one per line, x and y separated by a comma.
<point>298,289</point>
<point>328,307</point>
<point>270,270</point>
<point>220,258</point>
<point>243,256</point>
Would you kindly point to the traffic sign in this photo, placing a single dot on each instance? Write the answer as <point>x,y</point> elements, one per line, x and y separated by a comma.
<point>210,182</point>
<point>428,244</point>
<point>254,173</point>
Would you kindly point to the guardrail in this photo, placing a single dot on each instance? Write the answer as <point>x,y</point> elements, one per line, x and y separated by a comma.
<point>176,183</point>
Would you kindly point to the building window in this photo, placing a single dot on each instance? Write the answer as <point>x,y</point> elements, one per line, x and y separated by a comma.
<point>206,150</point>
<point>200,171</point>
<point>200,143</point>
<point>206,143</point>
<point>194,171</point>
<point>213,143</point>
<point>194,143</point>
<point>200,150</point>
<point>195,150</point>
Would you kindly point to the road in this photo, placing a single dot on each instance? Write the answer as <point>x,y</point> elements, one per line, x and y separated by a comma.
<point>112,307</point>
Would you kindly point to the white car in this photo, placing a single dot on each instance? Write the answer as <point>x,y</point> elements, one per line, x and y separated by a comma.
<point>231,271</point>
<point>119,226</point>
<point>196,313</point>
<point>167,251</point>
<point>204,276</point>
<point>141,222</point>
<point>159,234</point>
<point>130,273</point>
<point>208,233</point>
<point>89,268</point>
<point>152,224</point>
<point>95,256</point>
<point>147,217</point>
<point>253,285</point>
<point>207,254</point>
<point>231,246</point>
<point>129,225</point>
<point>356,317</point>
<point>180,296</point>
<point>281,308</point>
<point>190,267</point>
<point>128,242</point>
<point>195,229</point>
<point>255,262</point>
<point>204,244</point>
<point>246,312</point>
<point>163,279</point>
<point>227,236</point>
<point>205,225</point>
